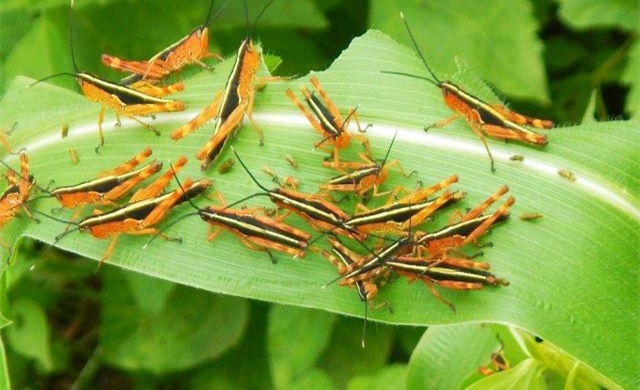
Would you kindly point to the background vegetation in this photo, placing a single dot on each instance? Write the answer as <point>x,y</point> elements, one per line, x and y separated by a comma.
<point>571,61</point>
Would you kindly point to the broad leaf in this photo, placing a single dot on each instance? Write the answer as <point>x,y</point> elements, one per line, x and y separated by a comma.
<point>29,335</point>
<point>389,377</point>
<point>345,358</point>
<point>5,381</point>
<point>631,77</point>
<point>237,369</point>
<point>435,354</point>
<point>187,328</point>
<point>588,13</point>
<point>117,27</point>
<point>526,375</point>
<point>311,379</point>
<point>448,357</point>
<point>573,273</point>
<point>292,347</point>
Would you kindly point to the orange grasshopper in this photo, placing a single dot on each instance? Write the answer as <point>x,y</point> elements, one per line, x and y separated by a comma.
<point>494,120</point>
<point>441,270</point>
<point>467,230</point>
<point>361,177</point>
<point>122,99</point>
<point>447,273</point>
<point>109,186</point>
<point>108,189</point>
<point>231,104</point>
<point>399,216</point>
<point>255,232</point>
<point>327,120</point>
<point>321,214</point>
<point>498,361</point>
<point>16,195</point>
<point>114,184</point>
<point>344,258</point>
<point>191,49</point>
<point>136,218</point>
<point>435,245</point>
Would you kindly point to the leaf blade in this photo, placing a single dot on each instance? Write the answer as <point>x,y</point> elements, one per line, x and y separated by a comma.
<point>567,251</point>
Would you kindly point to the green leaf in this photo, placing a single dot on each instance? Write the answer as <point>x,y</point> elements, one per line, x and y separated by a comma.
<point>507,57</point>
<point>29,333</point>
<point>130,30</point>
<point>408,337</point>
<point>3,321</point>
<point>345,358</point>
<point>563,53</point>
<point>526,375</point>
<point>588,14</point>
<point>237,369</point>
<point>389,377</point>
<point>562,267</point>
<point>291,346</point>
<point>149,295</point>
<point>4,302</point>
<point>446,355</point>
<point>311,379</point>
<point>5,380</point>
<point>631,77</point>
<point>192,327</point>
<point>590,112</point>
<point>561,365</point>
<point>47,40</point>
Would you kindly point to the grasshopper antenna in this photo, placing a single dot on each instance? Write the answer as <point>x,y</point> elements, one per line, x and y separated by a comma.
<point>411,75</point>
<point>364,325</point>
<point>50,77</point>
<point>199,210</point>
<point>212,18</point>
<point>62,235</point>
<point>415,44</point>
<point>31,180</point>
<point>269,191</point>
<point>246,15</point>
<point>57,220</point>
<point>175,176</point>
<point>386,156</point>
<point>248,172</point>
<point>73,52</point>
<point>168,226</point>
<point>332,281</point>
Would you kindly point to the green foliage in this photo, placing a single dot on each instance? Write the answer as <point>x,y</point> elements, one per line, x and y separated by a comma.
<point>291,347</point>
<point>514,66</point>
<point>462,348</point>
<point>586,13</point>
<point>573,273</point>
<point>392,376</point>
<point>155,326</point>
<point>631,77</point>
<point>5,381</point>
<point>29,335</point>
